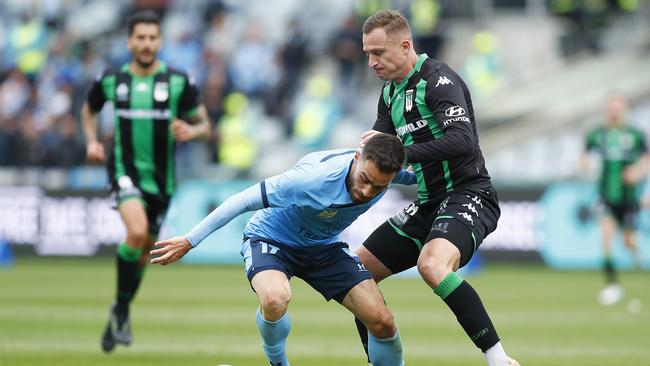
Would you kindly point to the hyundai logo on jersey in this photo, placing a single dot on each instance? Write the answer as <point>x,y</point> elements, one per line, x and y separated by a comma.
<point>454,111</point>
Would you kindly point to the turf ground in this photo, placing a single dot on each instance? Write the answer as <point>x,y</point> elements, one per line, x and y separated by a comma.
<point>52,312</point>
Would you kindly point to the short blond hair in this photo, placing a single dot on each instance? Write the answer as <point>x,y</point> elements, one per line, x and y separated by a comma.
<point>391,21</point>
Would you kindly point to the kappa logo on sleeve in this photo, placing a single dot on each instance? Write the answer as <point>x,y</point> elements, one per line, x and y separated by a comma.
<point>443,80</point>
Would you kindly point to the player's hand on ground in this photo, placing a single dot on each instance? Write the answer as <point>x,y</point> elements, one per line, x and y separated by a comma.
<point>183,131</point>
<point>366,136</point>
<point>95,152</point>
<point>170,250</point>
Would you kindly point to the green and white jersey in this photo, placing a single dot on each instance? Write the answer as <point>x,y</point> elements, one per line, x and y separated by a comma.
<point>431,112</point>
<point>145,106</point>
<point>618,148</point>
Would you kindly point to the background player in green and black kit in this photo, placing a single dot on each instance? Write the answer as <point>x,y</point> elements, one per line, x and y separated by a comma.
<point>623,151</point>
<point>429,107</point>
<point>148,97</point>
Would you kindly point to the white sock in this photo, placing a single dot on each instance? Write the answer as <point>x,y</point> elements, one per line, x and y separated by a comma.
<point>496,356</point>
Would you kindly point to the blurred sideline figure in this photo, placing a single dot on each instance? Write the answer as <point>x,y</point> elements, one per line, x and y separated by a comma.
<point>428,106</point>
<point>625,160</point>
<point>148,98</point>
<point>296,233</point>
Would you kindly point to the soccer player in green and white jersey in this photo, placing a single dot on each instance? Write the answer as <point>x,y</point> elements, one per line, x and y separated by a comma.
<point>429,107</point>
<point>148,97</point>
<point>624,154</point>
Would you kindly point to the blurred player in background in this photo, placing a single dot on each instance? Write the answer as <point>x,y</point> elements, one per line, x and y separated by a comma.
<point>296,233</point>
<point>428,106</point>
<point>624,154</point>
<point>148,98</point>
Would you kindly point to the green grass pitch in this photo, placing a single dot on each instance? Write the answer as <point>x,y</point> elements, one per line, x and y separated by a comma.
<point>52,312</point>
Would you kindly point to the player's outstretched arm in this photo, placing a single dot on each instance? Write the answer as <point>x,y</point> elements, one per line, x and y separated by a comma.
<point>173,249</point>
<point>170,250</point>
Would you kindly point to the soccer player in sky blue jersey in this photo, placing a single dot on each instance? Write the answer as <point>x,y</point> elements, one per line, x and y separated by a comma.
<point>296,233</point>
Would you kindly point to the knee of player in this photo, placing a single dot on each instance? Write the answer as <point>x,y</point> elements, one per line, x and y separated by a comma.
<point>427,265</point>
<point>432,271</point>
<point>138,235</point>
<point>274,304</point>
<point>382,325</point>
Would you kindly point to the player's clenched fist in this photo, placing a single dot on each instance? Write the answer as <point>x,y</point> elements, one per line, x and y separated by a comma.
<point>95,152</point>
<point>183,131</point>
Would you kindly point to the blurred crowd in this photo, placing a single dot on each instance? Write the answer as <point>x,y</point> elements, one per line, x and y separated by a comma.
<point>51,50</point>
<point>586,20</point>
<point>247,69</point>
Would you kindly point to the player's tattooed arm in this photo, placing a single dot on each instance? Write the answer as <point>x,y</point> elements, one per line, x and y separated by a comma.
<point>195,128</point>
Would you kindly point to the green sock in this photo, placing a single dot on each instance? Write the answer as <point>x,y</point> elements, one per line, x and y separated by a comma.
<point>465,303</point>
<point>138,277</point>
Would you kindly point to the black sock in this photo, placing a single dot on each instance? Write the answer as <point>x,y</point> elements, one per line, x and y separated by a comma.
<point>128,267</point>
<point>138,278</point>
<point>363,335</point>
<point>465,303</point>
<point>610,271</point>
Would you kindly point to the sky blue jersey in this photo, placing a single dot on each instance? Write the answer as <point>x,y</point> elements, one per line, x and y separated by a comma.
<point>310,204</point>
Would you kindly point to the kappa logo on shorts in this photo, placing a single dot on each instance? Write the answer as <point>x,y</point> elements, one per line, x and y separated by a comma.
<point>470,207</point>
<point>467,217</point>
<point>477,201</point>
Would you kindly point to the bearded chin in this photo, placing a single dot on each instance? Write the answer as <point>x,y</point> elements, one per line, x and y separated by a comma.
<point>145,64</point>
